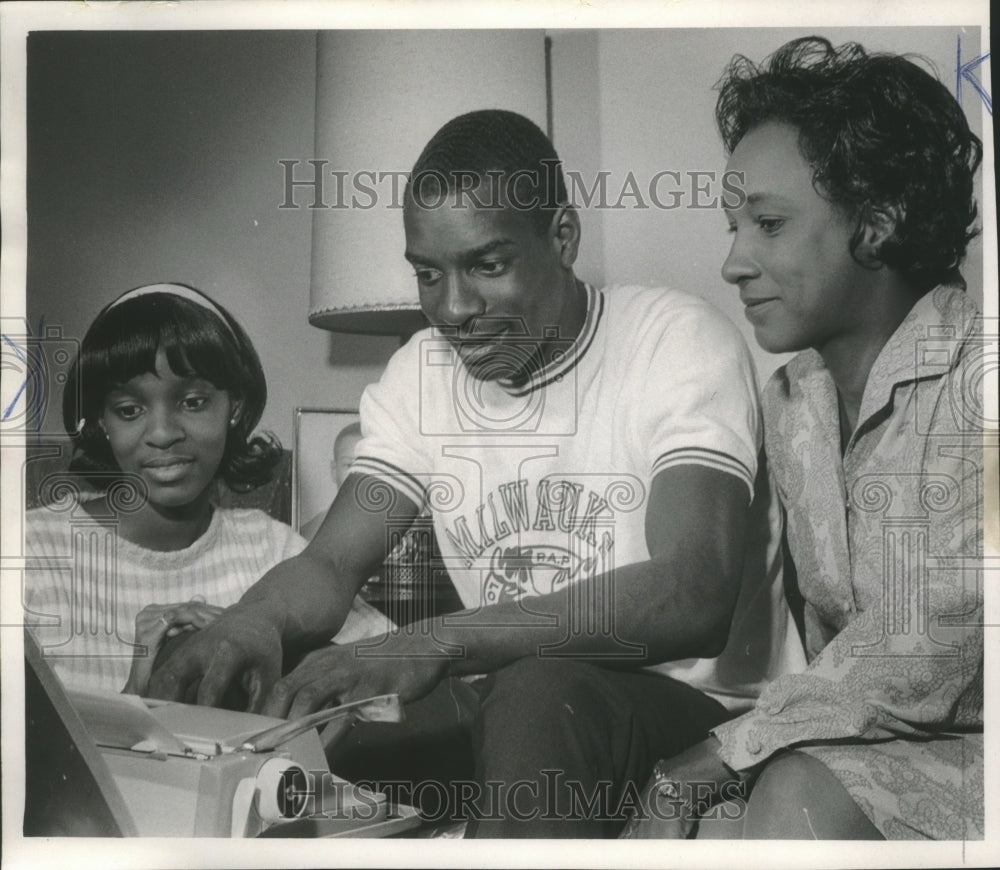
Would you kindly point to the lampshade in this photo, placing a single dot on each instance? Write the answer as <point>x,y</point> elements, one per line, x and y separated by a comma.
<point>380,96</point>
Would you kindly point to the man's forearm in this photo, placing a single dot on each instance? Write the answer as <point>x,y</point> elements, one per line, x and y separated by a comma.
<point>304,598</point>
<point>641,614</point>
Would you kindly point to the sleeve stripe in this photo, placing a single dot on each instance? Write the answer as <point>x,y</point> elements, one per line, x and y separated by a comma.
<point>704,456</point>
<point>402,480</point>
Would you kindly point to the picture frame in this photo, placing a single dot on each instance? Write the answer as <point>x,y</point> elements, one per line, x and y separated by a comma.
<point>316,433</point>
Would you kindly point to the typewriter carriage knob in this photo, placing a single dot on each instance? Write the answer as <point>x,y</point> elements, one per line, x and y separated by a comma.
<point>282,790</point>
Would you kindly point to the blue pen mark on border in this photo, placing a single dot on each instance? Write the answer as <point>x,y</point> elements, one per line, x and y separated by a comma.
<point>23,387</point>
<point>39,404</point>
<point>33,371</point>
<point>964,71</point>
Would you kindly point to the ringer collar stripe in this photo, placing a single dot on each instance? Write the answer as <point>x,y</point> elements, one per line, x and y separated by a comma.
<point>559,368</point>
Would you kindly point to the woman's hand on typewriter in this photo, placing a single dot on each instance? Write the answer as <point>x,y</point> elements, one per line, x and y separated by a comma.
<point>154,624</point>
<point>409,665</point>
<point>242,647</point>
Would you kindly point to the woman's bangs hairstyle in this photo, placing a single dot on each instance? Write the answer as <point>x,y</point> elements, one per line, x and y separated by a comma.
<point>881,135</point>
<point>122,343</point>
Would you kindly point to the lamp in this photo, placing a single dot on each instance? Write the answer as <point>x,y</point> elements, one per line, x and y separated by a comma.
<point>380,96</point>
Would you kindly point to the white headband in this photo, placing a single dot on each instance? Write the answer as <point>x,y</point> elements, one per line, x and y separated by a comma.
<point>174,290</point>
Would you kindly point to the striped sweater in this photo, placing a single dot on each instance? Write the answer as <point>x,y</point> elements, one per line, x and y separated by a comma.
<point>85,584</point>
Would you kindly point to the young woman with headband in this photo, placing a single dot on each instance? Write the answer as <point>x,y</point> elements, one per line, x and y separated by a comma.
<point>171,391</point>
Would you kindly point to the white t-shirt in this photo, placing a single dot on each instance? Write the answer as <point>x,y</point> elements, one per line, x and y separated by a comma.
<point>534,487</point>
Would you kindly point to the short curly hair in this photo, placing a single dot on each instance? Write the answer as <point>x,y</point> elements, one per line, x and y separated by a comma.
<point>498,143</point>
<point>122,343</point>
<point>880,133</point>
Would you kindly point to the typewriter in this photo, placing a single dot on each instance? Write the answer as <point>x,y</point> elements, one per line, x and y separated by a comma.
<point>162,769</point>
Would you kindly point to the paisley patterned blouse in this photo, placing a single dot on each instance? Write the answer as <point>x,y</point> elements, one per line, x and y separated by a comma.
<point>887,541</point>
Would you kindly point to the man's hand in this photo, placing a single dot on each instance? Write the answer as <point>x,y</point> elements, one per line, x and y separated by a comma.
<point>397,663</point>
<point>243,645</point>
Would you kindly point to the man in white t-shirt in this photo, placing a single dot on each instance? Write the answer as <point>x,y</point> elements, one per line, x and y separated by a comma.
<point>589,458</point>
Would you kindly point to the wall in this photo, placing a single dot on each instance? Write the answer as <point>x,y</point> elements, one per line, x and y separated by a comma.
<point>655,106</point>
<point>577,133</point>
<point>154,157</point>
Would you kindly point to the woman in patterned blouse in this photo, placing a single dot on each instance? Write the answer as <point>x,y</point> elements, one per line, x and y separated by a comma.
<point>857,210</point>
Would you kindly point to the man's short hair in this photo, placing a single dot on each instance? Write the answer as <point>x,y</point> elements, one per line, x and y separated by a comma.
<point>880,133</point>
<point>503,154</point>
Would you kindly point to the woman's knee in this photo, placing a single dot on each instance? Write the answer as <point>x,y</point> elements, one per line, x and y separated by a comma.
<point>780,804</point>
<point>786,777</point>
<point>798,797</point>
